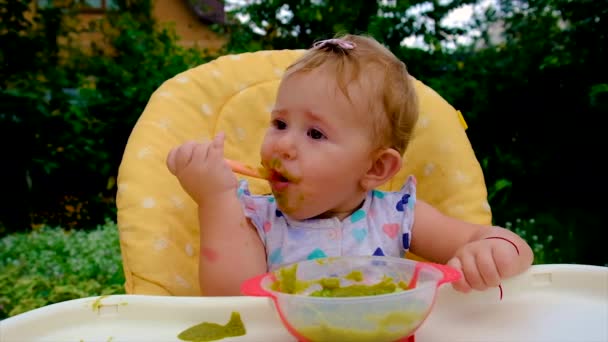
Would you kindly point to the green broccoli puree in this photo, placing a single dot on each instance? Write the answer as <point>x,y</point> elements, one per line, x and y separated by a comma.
<point>391,327</point>
<point>354,276</point>
<point>287,282</point>
<point>212,331</point>
<point>331,288</point>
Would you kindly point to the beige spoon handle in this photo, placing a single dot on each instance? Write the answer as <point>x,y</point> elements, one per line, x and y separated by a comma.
<point>243,169</point>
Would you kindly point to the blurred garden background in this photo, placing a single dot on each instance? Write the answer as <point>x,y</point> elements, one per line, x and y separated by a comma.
<point>529,76</point>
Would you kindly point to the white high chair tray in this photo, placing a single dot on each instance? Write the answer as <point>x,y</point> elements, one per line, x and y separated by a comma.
<point>549,303</point>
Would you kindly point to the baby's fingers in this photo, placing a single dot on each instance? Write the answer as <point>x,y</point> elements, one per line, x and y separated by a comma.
<point>171,160</point>
<point>216,150</point>
<point>470,268</point>
<point>184,155</point>
<point>461,285</point>
<point>487,268</point>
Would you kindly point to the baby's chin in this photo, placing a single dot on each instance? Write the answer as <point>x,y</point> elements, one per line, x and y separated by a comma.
<point>296,213</point>
<point>301,215</point>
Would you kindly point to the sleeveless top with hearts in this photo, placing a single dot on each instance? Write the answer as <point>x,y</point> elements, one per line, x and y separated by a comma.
<point>382,226</point>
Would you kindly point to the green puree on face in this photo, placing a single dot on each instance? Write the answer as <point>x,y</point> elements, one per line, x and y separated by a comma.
<point>212,331</point>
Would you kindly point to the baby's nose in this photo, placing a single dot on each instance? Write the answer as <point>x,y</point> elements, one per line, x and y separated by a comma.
<point>286,147</point>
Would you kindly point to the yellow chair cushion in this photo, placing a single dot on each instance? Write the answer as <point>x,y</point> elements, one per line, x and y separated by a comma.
<point>159,232</point>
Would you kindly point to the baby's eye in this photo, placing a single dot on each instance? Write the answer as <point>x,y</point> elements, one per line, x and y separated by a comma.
<point>278,124</point>
<point>315,134</point>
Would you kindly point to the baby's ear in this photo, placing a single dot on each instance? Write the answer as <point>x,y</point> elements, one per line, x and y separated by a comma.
<point>385,164</point>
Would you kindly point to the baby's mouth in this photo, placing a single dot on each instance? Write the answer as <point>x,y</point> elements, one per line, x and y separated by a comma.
<point>279,182</point>
<point>276,176</point>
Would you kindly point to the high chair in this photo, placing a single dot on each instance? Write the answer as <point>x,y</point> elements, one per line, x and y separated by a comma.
<point>157,220</point>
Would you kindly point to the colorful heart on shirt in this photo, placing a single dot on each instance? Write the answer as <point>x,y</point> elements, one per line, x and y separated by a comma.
<point>276,257</point>
<point>411,203</point>
<point>296,234</point>
<point>402,202</point>
<point>391,230</point>
<point>357,216</point>
<point>378,194</point>
<point>359,234</point>
<point>250,206</point>
<point>405,238</point>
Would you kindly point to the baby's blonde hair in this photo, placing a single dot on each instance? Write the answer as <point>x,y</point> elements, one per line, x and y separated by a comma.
<point>381,75</point>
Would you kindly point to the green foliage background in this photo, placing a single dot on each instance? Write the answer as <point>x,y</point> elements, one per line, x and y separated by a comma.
<point>51,265</point>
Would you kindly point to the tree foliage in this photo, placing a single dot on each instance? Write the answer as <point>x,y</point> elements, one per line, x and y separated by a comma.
<point>532,85</point>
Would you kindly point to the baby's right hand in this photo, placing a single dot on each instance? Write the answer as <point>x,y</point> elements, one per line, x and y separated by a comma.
<point>201,169</point>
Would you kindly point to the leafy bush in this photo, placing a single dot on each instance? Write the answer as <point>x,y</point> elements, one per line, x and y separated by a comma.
<point>544,246</point>
<point>52,265</point>
<point>72,116</point>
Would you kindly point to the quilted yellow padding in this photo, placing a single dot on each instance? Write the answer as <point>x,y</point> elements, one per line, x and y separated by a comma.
<point>157,219</point>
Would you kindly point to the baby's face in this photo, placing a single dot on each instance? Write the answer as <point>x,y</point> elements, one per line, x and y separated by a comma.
<point>318,147</point>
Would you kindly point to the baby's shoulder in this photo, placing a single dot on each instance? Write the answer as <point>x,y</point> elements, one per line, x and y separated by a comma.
<point>399,200</point>
<point>408,188</point>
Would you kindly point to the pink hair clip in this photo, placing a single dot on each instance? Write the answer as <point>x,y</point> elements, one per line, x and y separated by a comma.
<point>341,43</point>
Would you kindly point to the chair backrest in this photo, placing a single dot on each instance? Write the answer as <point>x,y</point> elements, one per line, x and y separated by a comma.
<point>159,232</point>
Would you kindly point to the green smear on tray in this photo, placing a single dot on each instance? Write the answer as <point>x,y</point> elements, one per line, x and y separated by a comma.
<point>212,331</point>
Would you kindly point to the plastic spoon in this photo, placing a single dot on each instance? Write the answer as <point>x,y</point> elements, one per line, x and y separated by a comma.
<point>246,170</point>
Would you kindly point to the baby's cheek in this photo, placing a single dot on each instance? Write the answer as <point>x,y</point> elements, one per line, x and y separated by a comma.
<point>266,147</point>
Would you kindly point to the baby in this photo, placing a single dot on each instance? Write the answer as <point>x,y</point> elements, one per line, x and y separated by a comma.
<point>343,117</point>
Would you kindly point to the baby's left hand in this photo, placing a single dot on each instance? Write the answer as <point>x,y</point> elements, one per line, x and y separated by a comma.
<point>484,263</point>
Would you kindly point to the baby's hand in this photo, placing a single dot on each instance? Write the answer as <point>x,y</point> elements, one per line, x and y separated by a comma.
<point>201,169</point>
<point>484,263</point>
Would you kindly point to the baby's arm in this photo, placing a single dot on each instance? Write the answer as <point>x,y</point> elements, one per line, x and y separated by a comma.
<point>485,254</point>
<point>230,249</point>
